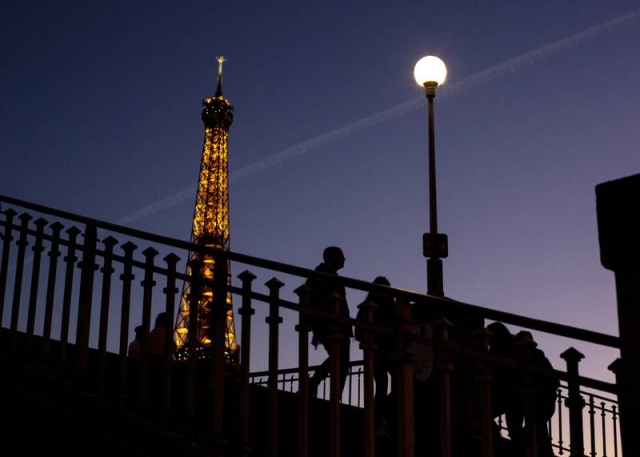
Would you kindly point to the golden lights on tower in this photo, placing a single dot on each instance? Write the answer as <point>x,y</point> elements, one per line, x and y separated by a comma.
<point>210,228</point>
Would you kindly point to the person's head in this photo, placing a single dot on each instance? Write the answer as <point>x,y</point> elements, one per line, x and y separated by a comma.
<point>333,257</point>
<point>383,281</point>
<point>501,334</point>
<point>162,319</point>
<point>524,338</point>
<point>140,331</point>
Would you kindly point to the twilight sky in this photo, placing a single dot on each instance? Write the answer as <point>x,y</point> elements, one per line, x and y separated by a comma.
<point>101,116</point>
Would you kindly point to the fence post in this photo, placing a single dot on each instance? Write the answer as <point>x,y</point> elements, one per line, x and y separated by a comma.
<point>35,279</point>
<point>443,368</point>
<point>303,329</point>
<point>574,402</point>
<point>218,348</point>
<point>17,288</point>
<point>274,320</point>
<point>334,341</point>
<point>484,379</point>
<point>245,311</point>
<point>195,274</point>
<point>404,371</point>
<point>88,268</point>
<point>147,284</point>
<point>54,253</point>
<point>170,291</point>
<point>6,249</point>
<point>368,347</point>
<point>126,277</point>
<point>105,300</point>
<point>70,260</point>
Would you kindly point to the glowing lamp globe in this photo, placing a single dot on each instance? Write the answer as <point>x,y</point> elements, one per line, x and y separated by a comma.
<point>430,69</point>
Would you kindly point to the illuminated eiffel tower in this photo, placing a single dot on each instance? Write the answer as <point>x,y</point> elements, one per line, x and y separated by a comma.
<point>210,225</point>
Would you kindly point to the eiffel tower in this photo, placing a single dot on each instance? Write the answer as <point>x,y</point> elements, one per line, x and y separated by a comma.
<point>210,226</point>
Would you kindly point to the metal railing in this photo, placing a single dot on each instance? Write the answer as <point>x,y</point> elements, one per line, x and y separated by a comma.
<point>600,413</point>
<point>73,287</point>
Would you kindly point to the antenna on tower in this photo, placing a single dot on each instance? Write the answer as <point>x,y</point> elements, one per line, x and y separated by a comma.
<point>221,60</point>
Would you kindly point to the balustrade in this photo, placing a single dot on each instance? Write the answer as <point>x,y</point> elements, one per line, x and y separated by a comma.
<point>93,299</point>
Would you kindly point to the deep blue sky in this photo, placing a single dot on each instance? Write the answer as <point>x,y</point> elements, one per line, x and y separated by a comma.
<point>101,116</point>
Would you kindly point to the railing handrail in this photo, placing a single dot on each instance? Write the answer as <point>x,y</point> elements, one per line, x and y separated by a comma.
<point>563,330</point>
<point>83,252</point>
<point>360,363</point>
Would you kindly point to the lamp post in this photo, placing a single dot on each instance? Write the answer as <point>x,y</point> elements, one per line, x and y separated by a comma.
<point>430,72</point>
<point>455,390</point>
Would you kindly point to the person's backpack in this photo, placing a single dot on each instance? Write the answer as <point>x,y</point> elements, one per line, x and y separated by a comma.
<point>547,385</point>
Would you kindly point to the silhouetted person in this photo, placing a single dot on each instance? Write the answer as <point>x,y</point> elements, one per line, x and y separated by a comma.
<point>541,388</point>
<point>322,298</point>
<point>134,351</point>
<point>156,347</point>
<point>382,315</point>
<point>505,398</point>
<point>156,337</point>
<point>135,346</point>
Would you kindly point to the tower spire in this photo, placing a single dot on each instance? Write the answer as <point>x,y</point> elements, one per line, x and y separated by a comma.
<point>221,60</point>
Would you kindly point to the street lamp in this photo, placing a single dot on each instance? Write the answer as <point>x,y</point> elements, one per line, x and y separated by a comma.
<point>430,72</point>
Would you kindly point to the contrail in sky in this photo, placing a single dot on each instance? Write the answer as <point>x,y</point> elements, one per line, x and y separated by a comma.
<point>485,76</point>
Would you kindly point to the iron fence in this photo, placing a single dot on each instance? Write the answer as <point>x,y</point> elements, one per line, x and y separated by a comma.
<point>78,286</point>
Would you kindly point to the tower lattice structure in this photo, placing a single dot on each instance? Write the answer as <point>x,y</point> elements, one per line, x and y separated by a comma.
<point>210,226</point>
